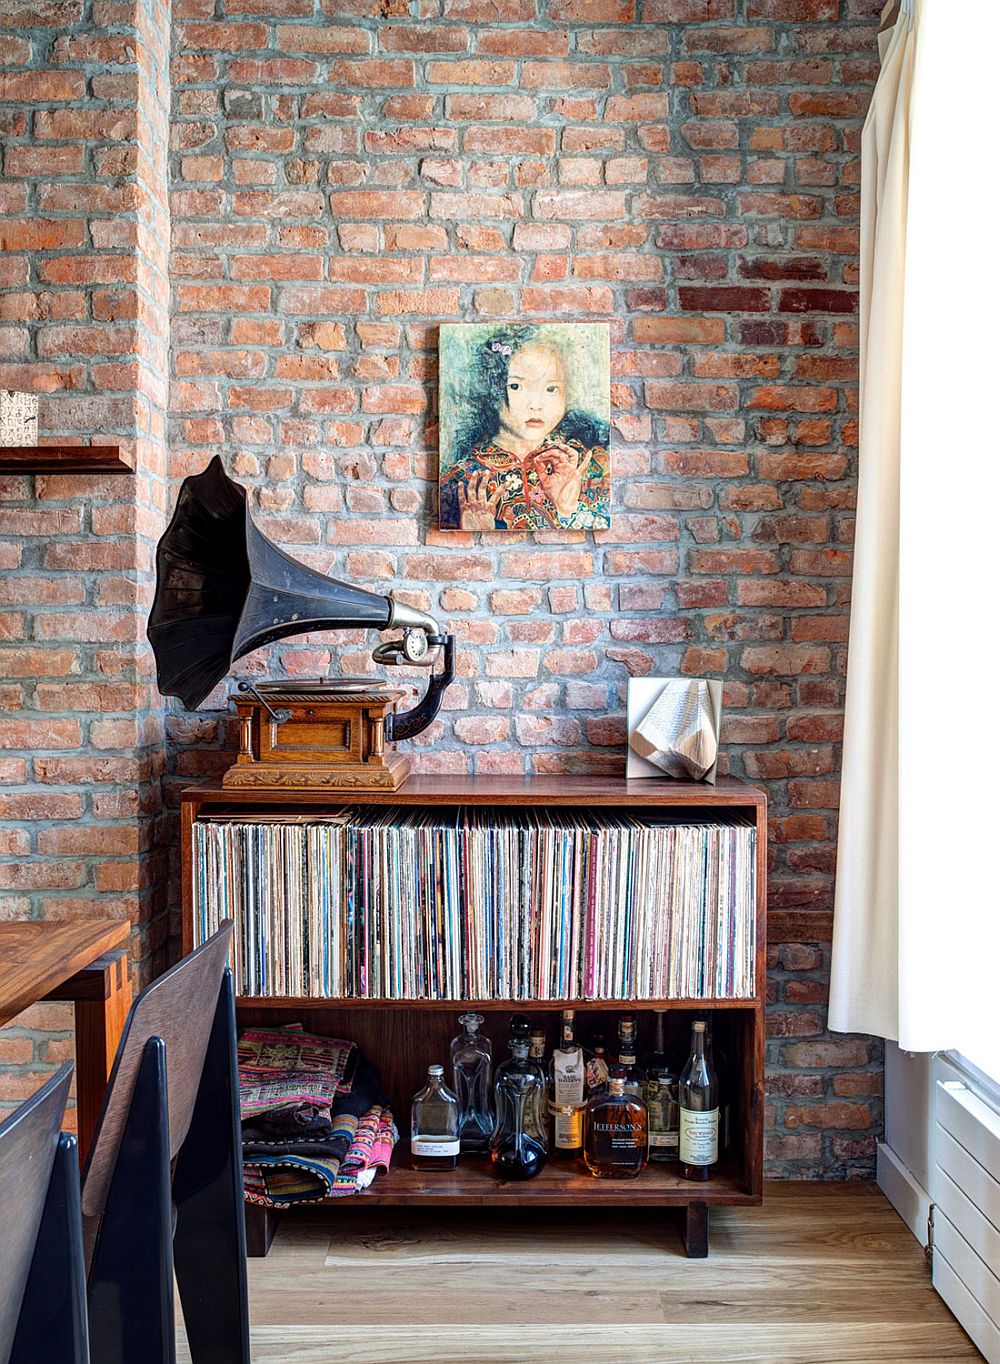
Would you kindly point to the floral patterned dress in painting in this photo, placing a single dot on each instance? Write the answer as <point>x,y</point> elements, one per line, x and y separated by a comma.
<point>523,504</point>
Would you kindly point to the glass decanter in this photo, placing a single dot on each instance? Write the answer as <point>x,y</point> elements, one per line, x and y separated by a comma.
<point>518,1146</point>
<point>471,1064</point>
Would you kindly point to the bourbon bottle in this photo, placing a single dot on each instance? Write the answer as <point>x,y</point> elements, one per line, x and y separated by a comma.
<point>698,1096</point>
<point>615,1131</point>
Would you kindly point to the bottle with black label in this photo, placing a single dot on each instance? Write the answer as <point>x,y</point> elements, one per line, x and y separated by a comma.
<point>626,1055</point>
<point>698,1097</point>
<point>536,1051</point>
<point>615,1132</point>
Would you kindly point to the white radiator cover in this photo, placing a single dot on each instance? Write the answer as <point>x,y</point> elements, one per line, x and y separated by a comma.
<point>965,1191</point>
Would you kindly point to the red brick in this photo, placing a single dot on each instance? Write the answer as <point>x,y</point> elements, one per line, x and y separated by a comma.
<point>491,108</point>
<point>817,301</point>
<point>482,729</point>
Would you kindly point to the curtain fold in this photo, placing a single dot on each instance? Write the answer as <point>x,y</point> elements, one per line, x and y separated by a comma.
<point>864,975</point>
<point>916,946</point>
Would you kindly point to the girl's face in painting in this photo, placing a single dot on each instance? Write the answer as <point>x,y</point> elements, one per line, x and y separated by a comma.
<point>535,401</point>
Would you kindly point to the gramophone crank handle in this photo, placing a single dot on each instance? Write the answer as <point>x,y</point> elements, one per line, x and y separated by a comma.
<point>278,716</point>
<point>412,722</point>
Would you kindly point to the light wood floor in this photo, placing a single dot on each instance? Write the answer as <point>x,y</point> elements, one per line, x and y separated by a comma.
<point>821,1274</point>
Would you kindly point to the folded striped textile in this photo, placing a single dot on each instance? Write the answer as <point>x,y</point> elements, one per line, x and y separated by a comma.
<point>293,1074</point>
<point>370,1152</point>
<point>285,1180</point>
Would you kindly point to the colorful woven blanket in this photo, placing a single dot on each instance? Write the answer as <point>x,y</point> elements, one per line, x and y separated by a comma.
<point>292,1073</point>
<point>286,1180</point>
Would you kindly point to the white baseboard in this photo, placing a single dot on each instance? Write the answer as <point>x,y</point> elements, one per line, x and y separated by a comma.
<point>904,1192</point>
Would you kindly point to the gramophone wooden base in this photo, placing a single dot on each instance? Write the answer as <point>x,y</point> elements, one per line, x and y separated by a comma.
<point>360,777</point>
<point>318,742</point>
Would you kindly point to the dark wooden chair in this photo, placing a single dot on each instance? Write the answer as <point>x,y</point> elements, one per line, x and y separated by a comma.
<point>43,1304</point>
<point>163,1182</point>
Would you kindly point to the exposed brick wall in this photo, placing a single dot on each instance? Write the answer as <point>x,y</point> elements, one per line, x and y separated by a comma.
<point>347,174</point>
<point>84,320</point>
<point>345,180</point>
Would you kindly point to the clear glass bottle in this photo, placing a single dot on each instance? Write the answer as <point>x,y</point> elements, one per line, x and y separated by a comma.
<point>519,1146</point>
<point>434,1141</point>
<point>660,1093</point>
<point>471,1066</point>
<point>626,1055</point>
<point>566,1069</point>
<point>615,1131</point>
<point>661,1104</point>
<point>698,1100</point>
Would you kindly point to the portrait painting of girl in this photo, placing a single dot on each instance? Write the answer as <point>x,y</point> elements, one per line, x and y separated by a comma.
<point>525,426</point>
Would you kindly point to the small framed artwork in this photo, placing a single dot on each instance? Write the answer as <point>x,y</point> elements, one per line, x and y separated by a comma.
<point>525,418</point>
<point>673,727</point>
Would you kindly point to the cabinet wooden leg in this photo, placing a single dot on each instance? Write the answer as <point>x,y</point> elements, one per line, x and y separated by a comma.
<point>262,1223</point>
<point>696,1231</point>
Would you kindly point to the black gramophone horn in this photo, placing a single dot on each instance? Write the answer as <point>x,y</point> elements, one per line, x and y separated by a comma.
<point>223,589</point>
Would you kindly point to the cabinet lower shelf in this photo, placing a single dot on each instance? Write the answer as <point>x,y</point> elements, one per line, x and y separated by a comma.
<point>473,1184</point>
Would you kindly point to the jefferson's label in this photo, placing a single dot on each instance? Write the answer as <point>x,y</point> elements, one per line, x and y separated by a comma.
<point>699,1137</point>
<point>429,1146</point>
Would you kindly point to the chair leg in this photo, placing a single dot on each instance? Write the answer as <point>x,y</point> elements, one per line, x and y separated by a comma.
<point>210,1239</point>
<point>53,1321</point>
<point>131,1285</point>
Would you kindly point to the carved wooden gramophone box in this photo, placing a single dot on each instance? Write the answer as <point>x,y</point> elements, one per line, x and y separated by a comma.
<point>223,589</point>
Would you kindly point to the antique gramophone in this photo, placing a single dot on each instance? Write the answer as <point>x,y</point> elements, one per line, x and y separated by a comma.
<point>223,589</point>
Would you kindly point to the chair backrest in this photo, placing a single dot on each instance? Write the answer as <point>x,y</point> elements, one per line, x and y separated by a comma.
<point>28,1141</point>
<point>179,1006</point>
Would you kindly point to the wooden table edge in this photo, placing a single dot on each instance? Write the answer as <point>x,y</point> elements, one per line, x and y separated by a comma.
<point>107,934</point>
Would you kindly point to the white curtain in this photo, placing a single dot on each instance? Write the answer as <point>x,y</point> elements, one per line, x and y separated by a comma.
<point>916,950</point>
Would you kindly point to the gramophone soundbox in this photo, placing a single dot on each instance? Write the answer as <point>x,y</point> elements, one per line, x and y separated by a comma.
<point>316,736</point>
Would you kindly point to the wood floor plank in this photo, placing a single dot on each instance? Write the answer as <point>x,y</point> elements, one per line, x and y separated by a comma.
<point>821,1274</point>
<point>697,1344</point>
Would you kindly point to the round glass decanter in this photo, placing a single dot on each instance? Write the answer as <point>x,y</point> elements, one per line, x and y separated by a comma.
<point>518,1147</point>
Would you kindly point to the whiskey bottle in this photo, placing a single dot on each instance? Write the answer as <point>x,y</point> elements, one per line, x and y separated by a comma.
<point>626,1056</point>
<point>536,1051</point>
<point>566,1070</point>
<point>519,1146</point>
<point>596,1065</point>
<point>471,1064</point>
<point>567,1132</point>
<point>656,1060</point>
<point>615,1132</point>
<point>660,1093</point>
<point>661,1103</point>
<point>434,1141</point>
<point>698,1098</point>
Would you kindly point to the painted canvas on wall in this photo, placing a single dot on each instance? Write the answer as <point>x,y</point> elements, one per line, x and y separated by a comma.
<point>525,413</point>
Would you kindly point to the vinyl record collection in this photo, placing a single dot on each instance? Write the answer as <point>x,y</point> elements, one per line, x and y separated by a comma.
<point>479,903</point>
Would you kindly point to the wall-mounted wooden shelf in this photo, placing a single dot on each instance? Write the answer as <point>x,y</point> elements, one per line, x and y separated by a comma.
<point>63,459</point>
